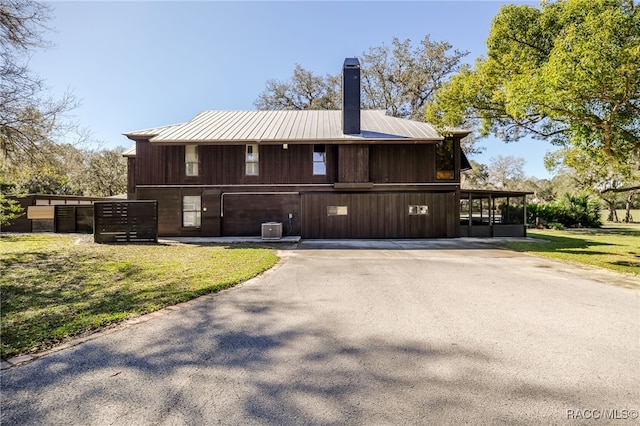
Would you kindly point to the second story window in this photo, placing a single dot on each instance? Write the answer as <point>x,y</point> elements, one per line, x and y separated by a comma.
<point>191,160</point>
<point>251,160</point>
<point>319,160</point>
<point>445,160</point>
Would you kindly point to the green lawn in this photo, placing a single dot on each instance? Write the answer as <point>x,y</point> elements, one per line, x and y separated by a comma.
<point>52,288</point>
<point>614,246</point>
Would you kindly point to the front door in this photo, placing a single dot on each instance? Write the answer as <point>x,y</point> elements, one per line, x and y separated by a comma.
<point>210,226</point>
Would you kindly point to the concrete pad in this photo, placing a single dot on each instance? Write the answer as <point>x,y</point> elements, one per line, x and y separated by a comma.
<point>228,240</point>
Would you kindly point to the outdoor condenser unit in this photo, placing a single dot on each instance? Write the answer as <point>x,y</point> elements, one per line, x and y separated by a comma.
<point>272,230</point>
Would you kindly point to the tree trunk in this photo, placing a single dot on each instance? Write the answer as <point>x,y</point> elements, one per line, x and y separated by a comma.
<point>627,216</point>
<point>613,215</point>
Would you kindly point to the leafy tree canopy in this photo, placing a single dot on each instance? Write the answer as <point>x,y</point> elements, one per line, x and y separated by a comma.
<point>400,78</point>
<point>567,70</point>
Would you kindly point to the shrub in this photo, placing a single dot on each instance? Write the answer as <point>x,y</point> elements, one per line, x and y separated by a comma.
<point>571,210</point>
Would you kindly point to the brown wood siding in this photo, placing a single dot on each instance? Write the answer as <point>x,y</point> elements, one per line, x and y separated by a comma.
<point>402,163</point>
<point>353,163</point>
<point>245,213</point>
<point>380,215</point>
<point>221,165</point>
<point>131,178</point>
<point>291,165</point>
<point>169,208</point>
<point>225,165</point>
<point>153,162</point>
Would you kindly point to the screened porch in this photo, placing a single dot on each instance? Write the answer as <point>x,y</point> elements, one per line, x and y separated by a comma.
<point>493,213</point>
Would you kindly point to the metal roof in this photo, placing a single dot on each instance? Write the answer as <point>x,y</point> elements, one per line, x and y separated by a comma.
<point>149,132</point>
<point>287,127</point>
<point>131,152</point>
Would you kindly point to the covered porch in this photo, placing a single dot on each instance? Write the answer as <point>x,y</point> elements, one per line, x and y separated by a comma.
<point>486,213</point>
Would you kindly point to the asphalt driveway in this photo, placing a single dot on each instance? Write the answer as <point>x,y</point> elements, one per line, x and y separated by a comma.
<point>394,333</point>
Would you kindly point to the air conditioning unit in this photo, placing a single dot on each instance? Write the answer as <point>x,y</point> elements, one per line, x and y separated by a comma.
<point>272,230</point>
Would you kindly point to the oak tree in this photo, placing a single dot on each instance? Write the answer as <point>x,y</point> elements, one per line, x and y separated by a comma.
<point>566,71</point>
<point>400,78</point>
<point>29,117</point>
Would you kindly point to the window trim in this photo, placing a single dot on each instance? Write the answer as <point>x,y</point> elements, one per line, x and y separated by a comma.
<point>254,161</point>
<point>197,210</point>
<point>322,162</point>
<point>196,163</point>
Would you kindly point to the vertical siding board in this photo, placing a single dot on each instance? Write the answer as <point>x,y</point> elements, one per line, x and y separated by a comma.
<point>353,163</point>
<point>156,165</point>
<point>169,208</point>
<point>244,213</point>
<point>379,215</point>
<point>131,177</point>
<point>417,163</point>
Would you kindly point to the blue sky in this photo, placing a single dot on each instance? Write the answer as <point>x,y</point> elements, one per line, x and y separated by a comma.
<point>144,64</point>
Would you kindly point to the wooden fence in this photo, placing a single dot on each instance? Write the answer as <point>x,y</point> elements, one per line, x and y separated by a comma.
<point>73,218</point>
<point>125,221</point>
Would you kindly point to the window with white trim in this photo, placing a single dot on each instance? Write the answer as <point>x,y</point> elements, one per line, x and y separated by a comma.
<point>319,159</point>
<point>191,211</point>
<point>251,160</point>
<point>191,160</point>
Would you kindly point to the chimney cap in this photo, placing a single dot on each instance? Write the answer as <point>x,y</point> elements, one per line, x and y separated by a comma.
<point>351,63</point>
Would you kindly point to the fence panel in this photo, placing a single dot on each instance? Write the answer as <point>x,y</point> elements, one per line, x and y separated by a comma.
<point>126,221</point>
<point>65,219</point>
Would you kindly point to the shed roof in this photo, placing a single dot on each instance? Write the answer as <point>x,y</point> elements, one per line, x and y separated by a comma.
<point>288,127</point>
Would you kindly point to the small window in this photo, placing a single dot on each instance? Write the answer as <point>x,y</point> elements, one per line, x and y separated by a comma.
<point>445,160</point>
<point>191,160</point>
<point>418,210</point>
<point>191,212</point>
<point>337,210</point>
<point>319,160</point>
<point>251,160</point>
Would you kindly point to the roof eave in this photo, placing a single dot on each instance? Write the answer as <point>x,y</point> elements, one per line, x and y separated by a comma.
<point>136,138</point>
<point>332,141</point>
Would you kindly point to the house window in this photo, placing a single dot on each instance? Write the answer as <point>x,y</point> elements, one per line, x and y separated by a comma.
<point>319,160</point>
<point>418,210</point>
<point>337,210</point>
<point>191,160</point>
<point>191,212</point>
<point>251,160</point>
<point>445,160</point>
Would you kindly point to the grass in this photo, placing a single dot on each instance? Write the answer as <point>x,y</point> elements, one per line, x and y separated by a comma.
<point>52,289</point>
<point>614,246</point>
